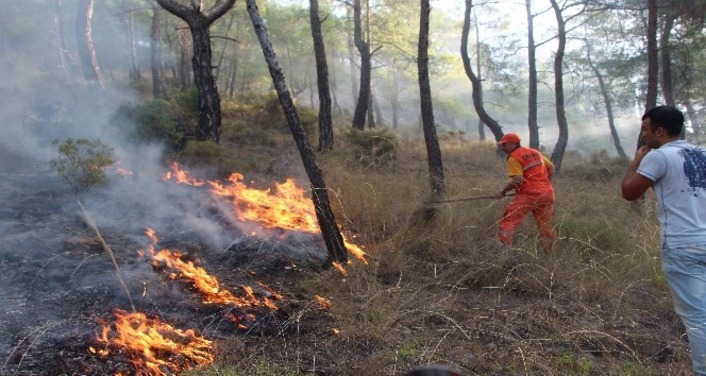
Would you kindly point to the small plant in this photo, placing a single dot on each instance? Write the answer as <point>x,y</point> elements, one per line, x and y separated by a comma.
<point>372,147</point>
<point>81,162</point>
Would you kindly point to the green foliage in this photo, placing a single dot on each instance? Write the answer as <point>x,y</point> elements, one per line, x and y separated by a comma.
<point>569,363</point>
<point>409,350</point>
<point>371,147</point>
<point>82,162</point>
<point>171,121</point>
<point>260,121</point>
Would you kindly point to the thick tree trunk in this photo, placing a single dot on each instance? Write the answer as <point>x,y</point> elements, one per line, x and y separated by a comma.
<point>159,88</point>
<point>608,104</point>
<point>436,168</point>
<point>475,82</point>
<point>325,122</point>
<point>532,124</point>
<point>361,107</point>
<point>560,147</point>
<point>199,21</point>
<point>86,48</point>
<point>327,222</point>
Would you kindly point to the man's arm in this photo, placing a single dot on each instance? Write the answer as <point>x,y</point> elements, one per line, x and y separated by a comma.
<point>635,185</point>
<point>549,166</point>
<point>512,184</point>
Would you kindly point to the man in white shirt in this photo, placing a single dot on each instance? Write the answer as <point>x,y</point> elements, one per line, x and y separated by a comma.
<point>676,170</point>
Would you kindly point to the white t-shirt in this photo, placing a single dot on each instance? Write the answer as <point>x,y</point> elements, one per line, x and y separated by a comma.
<point>678,170</point>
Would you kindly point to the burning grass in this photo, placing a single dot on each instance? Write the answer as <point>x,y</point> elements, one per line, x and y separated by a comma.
<point>446,293</point>
<point>433,292</point>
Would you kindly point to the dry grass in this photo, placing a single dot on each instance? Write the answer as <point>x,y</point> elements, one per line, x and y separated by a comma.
<point>443,291</point>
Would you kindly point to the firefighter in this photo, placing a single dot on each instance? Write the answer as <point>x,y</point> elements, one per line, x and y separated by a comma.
<point>530,177</point>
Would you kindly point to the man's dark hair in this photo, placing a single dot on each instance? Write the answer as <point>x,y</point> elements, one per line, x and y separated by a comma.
<point>667,117</point>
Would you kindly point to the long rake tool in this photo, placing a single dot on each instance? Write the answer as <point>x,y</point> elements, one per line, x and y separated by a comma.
<point>429,209</point>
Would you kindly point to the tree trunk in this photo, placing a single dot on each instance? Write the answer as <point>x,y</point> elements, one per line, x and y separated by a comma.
<point>130,25</point>
<point>371,110</point>
<point>481,125</point>
<point>86,48</point>
<point>436,168</point>
<point>352,60</point>
<point>652,61</point>
<point>325,122</point>
<point>159,88</point>
<point>475,82</point>
<point>60,42</point>
<point>394,99</point>
<point>327,222</point>
<point>532,124</point>
<point>608,104</point>
<point>184,64</point>
<point>209,101</point>
<point>560,147</point>
<point>361,107</point>
<point>376,107</point>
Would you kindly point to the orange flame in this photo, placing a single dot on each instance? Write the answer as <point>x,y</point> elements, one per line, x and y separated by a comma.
<point>323,302</point>
<point>181,176</point>
<point>155,348</point>
<point>206,283</point>
<point>286,206</point>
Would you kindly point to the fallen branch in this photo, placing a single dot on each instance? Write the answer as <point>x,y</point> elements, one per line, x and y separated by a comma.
<point>92,224</point>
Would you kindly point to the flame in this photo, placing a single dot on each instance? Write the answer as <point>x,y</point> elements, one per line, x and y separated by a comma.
<point>155,348</point>
<point>323,302</point>
<point>181,176</point>
<point>285,206</point>
<point>207,284</point>
<point>340,268</point>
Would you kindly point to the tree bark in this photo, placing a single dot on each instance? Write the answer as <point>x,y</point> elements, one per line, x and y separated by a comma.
<point>652,61</point>
<point>325,122</point>
<point>608,104</point>
<point>560,147</point>
<point>159,88</point>
<point>481,125</point>
<point>436,168</point>
<point>327,222</point>
<point>60,41</point>
<point>532,124</point>
<point>475,82</point>
<point>130,25</point>
<point>209,101</point>
<point>86,48</point>
<point>361,107</point>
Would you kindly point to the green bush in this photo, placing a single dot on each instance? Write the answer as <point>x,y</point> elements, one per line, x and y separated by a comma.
<point>372,147</point>
<point>82,162</point>
<point>259,120</point>
<point>171,121</point>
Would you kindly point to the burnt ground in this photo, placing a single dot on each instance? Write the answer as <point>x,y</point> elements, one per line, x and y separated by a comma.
<point>57,281</point>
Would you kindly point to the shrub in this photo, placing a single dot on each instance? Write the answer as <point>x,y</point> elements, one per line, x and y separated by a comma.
<point>372,147</point>
<point>170,121</point>
<point>82,162</point>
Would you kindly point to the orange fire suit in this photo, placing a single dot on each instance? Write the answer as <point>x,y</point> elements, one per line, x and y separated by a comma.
<point>535,195</point>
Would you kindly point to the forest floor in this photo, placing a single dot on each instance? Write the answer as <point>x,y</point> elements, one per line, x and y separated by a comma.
<point>432,292</point>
